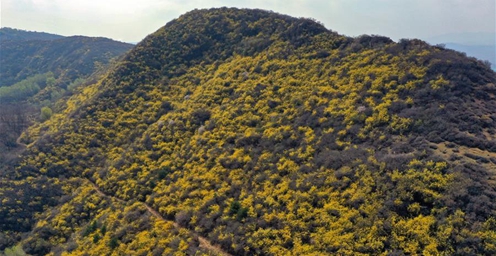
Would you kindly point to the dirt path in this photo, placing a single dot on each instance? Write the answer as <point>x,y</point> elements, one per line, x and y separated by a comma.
<point>18,141</point>
<point>157,214</point>
<point>204,242</point>
<point>102,194</point>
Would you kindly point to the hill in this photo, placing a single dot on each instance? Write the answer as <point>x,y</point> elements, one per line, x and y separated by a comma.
<point>12,34</point>
<point>37,69</point>
<point>236,131</point>
<point>68,58</point>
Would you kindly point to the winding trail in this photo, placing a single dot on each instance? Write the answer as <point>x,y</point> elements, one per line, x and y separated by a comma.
<point>204,242</point>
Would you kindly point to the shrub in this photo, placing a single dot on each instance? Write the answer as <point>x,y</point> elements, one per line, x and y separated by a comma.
<point>46,113</point>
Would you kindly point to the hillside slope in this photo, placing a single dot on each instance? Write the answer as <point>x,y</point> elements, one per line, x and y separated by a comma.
<point>268,135</point>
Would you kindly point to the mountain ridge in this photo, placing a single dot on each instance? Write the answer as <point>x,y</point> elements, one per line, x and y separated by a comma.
<point>12,34</point>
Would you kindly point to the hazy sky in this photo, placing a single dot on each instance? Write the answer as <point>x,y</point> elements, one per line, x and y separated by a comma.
<point>132,20</point>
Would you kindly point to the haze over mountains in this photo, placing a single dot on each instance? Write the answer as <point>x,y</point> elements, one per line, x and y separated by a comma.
<point>246,132</point>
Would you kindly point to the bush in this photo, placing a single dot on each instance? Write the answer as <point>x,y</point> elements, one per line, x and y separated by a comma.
<point>200,116</point>
<point>46,113</point>
<point>114,242</point>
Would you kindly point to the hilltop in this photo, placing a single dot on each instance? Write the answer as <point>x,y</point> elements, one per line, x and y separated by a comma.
<point>237,131</point>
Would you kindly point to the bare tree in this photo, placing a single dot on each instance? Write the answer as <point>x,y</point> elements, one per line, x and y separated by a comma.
<point>14,119</point>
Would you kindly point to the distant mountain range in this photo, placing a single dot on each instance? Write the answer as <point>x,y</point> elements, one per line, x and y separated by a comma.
<point>478,38</point>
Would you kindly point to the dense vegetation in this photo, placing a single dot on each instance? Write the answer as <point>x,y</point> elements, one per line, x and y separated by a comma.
<point>264,134</point>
